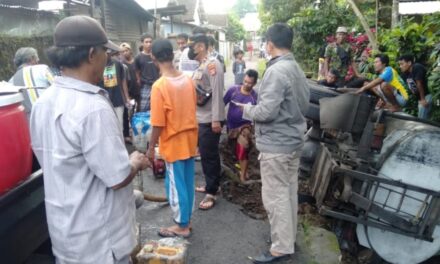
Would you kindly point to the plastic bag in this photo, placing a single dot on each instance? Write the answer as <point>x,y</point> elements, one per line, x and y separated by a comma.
<point>140,124</point>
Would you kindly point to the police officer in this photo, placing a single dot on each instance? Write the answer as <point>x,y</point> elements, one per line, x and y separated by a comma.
<point>209,78</point>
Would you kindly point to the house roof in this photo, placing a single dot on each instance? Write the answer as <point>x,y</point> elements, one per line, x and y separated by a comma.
<point>217,20</point>
<point>26,9</point>
<point>190,7</point>
<point>21,3</point>
<point>132,5</point>
<point>170,10</point>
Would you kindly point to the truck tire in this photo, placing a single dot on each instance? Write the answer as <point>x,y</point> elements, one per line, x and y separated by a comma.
<point>318,91</point>
<point>313,112</point>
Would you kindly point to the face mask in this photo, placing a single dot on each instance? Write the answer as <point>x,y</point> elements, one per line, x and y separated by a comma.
<point>191,54</point>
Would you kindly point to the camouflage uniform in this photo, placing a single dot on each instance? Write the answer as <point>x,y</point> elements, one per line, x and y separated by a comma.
<point>342,65</point>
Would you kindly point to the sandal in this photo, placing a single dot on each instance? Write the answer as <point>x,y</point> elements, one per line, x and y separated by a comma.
<point>209,199</point>
<point>165,232</point>
<point>201,189</point>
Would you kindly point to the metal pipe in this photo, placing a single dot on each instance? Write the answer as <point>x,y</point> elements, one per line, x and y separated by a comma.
<point>412,118</point>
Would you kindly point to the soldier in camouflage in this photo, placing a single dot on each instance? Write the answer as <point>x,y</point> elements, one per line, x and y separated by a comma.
<point>339,56</point>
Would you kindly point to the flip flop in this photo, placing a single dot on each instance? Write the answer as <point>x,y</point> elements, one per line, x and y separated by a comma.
<point>164,232</point>
<point>207,199</point>
<point>201,189</point>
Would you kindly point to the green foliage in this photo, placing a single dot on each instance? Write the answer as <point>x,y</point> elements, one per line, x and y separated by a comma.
<point>11,44</point>
<point>242,7</point>
<point>235,31</point>
<point>411,38</point>
<point>434,83</point>
<point>261,67</point>
<point>418,39</point>
<point>273,11</point>
<point>311,27</point>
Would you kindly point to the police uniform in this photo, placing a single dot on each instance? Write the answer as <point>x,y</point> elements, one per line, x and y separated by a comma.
<point>209,78</point>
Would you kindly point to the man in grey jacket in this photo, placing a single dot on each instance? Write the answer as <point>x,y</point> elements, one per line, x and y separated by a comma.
<point>279,127</point>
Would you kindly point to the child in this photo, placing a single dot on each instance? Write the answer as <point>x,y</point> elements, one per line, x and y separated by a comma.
<point>240,129</point>
<point>173,117</point>
<point>238,67</point>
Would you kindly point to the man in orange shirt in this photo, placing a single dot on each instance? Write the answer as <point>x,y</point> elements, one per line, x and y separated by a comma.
<point>173,117</point>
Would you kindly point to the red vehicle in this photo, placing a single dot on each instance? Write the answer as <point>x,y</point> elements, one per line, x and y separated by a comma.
<point>23,228</point>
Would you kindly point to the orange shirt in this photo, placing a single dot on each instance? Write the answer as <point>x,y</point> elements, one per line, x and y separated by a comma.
<point>173,107</point>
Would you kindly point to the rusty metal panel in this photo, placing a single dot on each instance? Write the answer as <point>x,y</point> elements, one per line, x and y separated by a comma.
<point>321,174</point>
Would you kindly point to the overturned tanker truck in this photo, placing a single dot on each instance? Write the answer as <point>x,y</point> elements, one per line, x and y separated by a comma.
<point>377,169</point>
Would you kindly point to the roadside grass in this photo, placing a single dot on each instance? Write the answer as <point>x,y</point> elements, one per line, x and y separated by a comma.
<point>261,67</point>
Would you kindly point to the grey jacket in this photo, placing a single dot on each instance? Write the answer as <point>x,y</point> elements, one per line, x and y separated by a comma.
<point>283,100</point>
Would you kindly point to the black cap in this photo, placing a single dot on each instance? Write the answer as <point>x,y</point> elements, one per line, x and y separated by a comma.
<point>161,45</point>
<point>81,31</point>
<point>200,38</point>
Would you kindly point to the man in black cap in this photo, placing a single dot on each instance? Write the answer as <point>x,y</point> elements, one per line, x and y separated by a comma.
<point>209,78</point>
<point>79,144</point>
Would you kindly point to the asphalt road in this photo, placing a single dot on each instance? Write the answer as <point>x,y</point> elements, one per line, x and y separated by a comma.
<point>221,235</point>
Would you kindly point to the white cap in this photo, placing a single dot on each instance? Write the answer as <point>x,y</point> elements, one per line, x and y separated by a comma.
<point>341,30</point>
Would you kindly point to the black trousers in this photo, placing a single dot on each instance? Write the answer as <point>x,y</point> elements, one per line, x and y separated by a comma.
<point>126,127</point>
<point>210,157</point>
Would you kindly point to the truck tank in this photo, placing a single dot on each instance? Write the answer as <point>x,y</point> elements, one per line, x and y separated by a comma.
<point>411,155</point>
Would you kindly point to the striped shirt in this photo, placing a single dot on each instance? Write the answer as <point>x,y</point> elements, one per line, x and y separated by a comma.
<point>79,144</point>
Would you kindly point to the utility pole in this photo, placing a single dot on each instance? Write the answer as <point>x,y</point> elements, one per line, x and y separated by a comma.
<point>68,11</point>
<point>92,8</point>
<point>103,7</point>
<point>377,18</point>
<point>395,14</point>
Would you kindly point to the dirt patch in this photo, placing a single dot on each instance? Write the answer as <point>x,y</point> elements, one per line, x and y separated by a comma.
<point>247,196</point>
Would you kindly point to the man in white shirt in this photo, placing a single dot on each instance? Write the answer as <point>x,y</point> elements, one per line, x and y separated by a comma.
<point>79,144</point>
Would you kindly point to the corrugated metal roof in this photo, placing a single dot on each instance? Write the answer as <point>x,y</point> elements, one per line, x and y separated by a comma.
<point>217,20</point>
<point>132,5</point>
<point>27,9</point>
<point>22,3</point>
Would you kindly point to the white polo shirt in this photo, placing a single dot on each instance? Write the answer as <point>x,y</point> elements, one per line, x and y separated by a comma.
<point>79,144</point>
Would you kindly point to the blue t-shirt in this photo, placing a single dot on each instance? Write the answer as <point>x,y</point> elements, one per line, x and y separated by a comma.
<point>390,76</point>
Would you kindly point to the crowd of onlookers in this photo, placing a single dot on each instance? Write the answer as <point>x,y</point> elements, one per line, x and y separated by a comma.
<point>80,124</point>
<point>394,90</point>
<point>79,112</point>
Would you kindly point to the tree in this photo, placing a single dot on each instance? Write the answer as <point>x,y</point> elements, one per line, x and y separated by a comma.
<point>312,26</point>
<point>242,7</point>
<point>235,31</point>
<point>273,11</point>
<point>395,14</point>
<point>364,24</point>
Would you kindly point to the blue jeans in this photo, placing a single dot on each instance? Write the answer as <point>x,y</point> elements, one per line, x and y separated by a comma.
<point>425,111</point>
<point>399,98</point>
